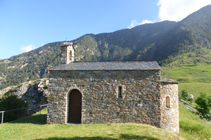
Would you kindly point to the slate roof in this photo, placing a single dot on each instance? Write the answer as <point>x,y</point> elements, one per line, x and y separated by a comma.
<point>113,65</point>
<point>166,80</point>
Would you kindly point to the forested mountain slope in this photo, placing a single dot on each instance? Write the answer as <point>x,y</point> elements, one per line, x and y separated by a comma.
<point>158,41</point>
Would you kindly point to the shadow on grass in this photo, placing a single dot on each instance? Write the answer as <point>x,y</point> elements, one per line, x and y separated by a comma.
<point>36,119</point>
<point>122,136</point>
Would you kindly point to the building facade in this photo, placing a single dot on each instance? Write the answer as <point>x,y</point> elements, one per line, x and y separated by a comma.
<point>111,92</point>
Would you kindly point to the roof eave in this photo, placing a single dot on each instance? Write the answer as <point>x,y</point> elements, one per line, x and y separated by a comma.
<point>107,70</point>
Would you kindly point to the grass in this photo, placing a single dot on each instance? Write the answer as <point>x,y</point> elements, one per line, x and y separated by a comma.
<point>84,131</point>
<point>192,127</point>
<point>189,73</point>
<point>196,88</point>
<point>35,127</point>
<point>183,69</point>
<point>191,77</point>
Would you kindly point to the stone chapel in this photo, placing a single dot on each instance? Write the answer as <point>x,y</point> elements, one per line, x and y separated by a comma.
<point>111,92</point>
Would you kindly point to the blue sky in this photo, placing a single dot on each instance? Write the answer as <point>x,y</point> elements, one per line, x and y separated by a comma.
<point>29,24</point>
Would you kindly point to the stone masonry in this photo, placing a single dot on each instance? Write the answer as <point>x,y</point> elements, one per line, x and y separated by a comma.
<point>100,104</point>
<point>169,115</point>
<point>143,98</point>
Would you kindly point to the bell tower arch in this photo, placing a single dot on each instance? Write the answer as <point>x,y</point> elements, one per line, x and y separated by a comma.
<point>67,52</point>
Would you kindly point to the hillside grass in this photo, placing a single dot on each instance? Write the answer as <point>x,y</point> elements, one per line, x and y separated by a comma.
<point>192,65</point>
<point>85,131</point>
<point>192,127</point>
<point>189,73</point>
<point>35,127</point>
<point>193,78</point>
<point>192,69</point>
<point>196,88</point>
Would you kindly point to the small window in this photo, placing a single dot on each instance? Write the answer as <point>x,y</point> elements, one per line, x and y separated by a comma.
<point>168,101</point>
<point>70,55</point>
<point>119,92</point>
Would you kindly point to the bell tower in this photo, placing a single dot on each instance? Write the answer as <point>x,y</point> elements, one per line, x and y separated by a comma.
<point>67,52</point>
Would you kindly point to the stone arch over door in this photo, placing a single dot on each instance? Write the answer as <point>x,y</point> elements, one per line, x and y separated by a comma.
<point>74,106</point>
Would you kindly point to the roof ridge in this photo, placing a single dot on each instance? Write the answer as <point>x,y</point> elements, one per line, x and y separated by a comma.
<point>113,65</point>
<point>111,61</point>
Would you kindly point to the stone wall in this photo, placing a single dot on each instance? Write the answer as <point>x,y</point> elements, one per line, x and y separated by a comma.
<point>169,115</point>
<point>140,102</point>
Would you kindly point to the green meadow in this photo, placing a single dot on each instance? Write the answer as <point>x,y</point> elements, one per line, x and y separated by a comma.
<point>35,127</point>
<point>191,66</point>
<point>192,127</point>
<point>193,78</point>
<point>200,73</point>
<point>196,88</point>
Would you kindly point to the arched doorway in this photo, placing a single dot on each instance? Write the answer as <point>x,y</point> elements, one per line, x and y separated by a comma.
<point>75,101</point>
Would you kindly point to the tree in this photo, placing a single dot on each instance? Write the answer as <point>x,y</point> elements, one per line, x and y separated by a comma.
<point>10,102</point>
<point>204,105</point>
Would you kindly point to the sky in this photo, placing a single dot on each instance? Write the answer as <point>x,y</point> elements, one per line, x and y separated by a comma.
<point>26,25</point>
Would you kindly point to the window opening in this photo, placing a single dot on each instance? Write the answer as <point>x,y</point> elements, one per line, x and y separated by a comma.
<point>168,101</point>
<point>119,92</point>
<point>70,54</point>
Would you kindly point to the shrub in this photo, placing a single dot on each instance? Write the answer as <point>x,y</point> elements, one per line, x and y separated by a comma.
<point>195,62</point>
<point>10,102</point>
<point>180,95</point>
<point>204,105</point>
<point>186,96</point>
<point>190,99</point>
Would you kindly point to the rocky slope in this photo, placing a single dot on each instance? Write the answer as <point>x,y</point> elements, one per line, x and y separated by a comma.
<point>33,92</point>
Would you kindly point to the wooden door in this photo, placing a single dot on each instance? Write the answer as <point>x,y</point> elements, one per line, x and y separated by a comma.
<point>74,115</point>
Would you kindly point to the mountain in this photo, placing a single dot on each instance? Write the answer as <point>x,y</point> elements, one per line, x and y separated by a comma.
<point>160,41</point>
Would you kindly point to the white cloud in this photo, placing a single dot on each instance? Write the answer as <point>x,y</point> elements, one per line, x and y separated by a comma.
<point>146,21</point>
<point>135,23</point>
<point>27,48</point>
<point>176,10</point>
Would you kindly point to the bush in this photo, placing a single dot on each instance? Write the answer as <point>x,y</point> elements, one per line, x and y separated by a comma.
<point>10,102</point>
<point>186,96</point>
<point>180,95</point>
<point>195,62</point>
<point>204,105</point>
<point>190,99</point>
